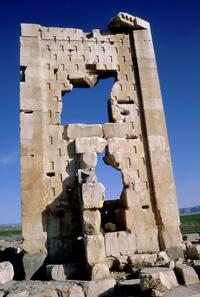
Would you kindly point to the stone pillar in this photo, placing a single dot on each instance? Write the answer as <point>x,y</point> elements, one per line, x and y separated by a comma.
<point>158,153</point>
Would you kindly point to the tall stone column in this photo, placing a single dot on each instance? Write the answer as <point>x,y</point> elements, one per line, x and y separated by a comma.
<point>155,136</point>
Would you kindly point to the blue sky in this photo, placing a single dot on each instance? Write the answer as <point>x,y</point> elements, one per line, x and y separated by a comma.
<point>176,34</point>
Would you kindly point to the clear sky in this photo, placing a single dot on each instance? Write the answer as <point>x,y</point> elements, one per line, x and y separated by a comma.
<point>176,34</point>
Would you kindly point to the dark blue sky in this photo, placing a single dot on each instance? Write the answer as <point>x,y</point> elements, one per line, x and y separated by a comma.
<point>176,34</point>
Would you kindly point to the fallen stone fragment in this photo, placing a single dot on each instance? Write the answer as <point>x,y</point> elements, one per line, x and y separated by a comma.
<point>142,259</point>
<point>163,259</point>
<point>160,279</point>
<point>186,274</point>
<point>193,252</point>
<point>192,237</point>
<point>6,272</point>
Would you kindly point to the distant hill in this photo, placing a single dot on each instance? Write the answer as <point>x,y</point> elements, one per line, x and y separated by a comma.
<point>190,210</point>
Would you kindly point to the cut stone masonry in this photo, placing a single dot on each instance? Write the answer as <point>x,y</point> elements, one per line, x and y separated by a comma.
<point>63,208</point>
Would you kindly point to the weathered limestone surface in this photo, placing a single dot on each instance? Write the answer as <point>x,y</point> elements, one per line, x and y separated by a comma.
<point>95,249</point>
<point>72,131</point>
<point>63,271</point>
<point>193,252</point>
<point>64,216</point>
<point>57,288</point>
<point>192,237</point>
<point>142,259</point>
<point>100,271</point>
<point>6,272</point>
<point>187,274</point>
<point>161,279</point>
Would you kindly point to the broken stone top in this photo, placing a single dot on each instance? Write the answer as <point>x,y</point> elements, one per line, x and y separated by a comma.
<point>121,21</point>
<point>125,20</point>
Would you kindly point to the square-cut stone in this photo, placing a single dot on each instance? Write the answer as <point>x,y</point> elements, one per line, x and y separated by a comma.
<point>93,194</point>
<point>94,249</point>
<point>91,222</point>
<point>90,144</point>
<point>112,244</point>
<point>186,274</point>
<point>121,130</point>
<point>73,131</point>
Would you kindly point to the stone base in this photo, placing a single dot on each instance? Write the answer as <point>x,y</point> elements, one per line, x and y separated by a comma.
<point>34,266</point>
<point>56,288</point>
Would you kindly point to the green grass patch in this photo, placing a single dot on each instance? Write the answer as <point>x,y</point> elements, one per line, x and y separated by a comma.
<point>190,223</point>
<point>10,232</point>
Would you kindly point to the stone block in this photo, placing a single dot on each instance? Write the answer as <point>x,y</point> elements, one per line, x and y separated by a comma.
<point>186,274</point>
<point>193,252</point>
<point>182,291</point>
<point>163,259</point>
<point>88,160</point>
<point>127,287</point>
<point>91,222</point>
<point>161,279</point>
<point>99,287</point>
<point>33,265</point>
<point>196,266</point>
<point>119,243</point>
<point>126,242</point>
<point>192,237</point>
<point>100,271</point>
<point>94,249</point>
<point>90,144</point>
<point>93,195</point>
<point>30,30</point>
<point>6,272</point>
<point>63,271</point>
<point>144,260</point>
<point>112,244</point>
<point>73,131</point>
<point>120,130</point>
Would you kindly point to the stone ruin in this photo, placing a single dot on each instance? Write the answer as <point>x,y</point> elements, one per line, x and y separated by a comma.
<point>64,216</point>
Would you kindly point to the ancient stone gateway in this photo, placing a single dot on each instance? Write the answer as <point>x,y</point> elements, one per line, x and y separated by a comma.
<point>64,216</point>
